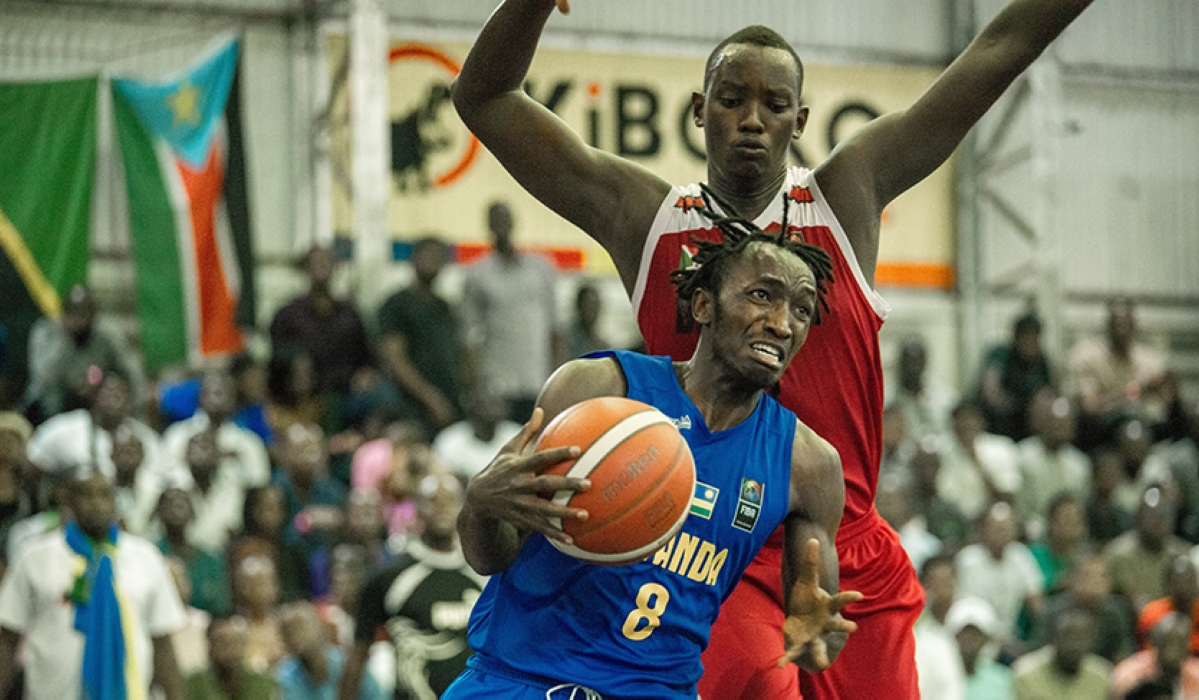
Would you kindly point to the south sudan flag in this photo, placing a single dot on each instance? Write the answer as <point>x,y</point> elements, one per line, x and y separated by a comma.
<point>47,160</point>
<point>181,147</point>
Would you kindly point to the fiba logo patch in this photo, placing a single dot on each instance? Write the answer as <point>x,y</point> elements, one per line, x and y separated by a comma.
<point>749,505</point>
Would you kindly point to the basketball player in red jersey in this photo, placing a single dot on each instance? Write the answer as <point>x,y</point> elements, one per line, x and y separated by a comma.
<point>750,110</point>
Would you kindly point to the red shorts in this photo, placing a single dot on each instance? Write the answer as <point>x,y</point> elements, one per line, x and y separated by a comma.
<point>878,661</point>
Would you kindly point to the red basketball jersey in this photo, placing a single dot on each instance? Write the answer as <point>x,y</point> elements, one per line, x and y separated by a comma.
<point>835,383</point>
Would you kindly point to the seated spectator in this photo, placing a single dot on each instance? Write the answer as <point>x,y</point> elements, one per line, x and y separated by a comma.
<point>1089,587</point>
<point>973,624</point>
<point>1000,570</point>
<point>362,527</point>
<point>468,445</point>
<point>208,584</point>
<point>85,436</point>
<point>1182,596</point>
<point>180,400</point>
<point>1049,464</point>
<point>67,356</point>
<point>1140,466</point>
<point>392,466</point>
<point>191,640</point>
<point>312,499</point>
<point>423,600</point>
<point>215,493</point>
<point>134,481</point>
<point>264,517</point>
<point>939,664</point>
<point>1182,456</point>
<point>898,445</point>
<point>313,668</point>
<point>243,457</point>
<point>421,344</point>
<point>349,565</point>
<point>926,405</point>
<point>1107,518</point>
<point>1065,540</point>
<point>1066,669</point>
<point>227,676</point>
<point>976,467</point>
<point>943,519</point>
<point>1111,377</point>
<point>256,596</point>
<point>1164,670</point>
<point>1140,559</point>
<point>896,505</point>
<point>1011,375</point>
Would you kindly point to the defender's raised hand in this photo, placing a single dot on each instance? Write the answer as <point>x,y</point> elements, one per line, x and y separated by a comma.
<point>812,614</point>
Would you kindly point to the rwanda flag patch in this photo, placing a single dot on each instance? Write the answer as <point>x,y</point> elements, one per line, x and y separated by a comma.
<point>703,502</point>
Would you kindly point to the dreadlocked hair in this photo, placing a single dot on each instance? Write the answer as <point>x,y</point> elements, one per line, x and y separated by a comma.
<point>712,258</point>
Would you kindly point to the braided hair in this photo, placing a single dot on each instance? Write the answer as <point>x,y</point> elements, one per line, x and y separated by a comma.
<point>712,258</point>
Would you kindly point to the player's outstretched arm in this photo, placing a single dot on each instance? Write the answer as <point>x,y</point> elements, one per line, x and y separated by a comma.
<point>814,630</point>
<point>899,149</point>
<point>504,502</point>
<point>611,199</point>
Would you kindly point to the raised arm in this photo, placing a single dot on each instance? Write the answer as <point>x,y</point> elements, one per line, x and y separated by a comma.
<point>899,149</point>
<point>815,631</point>
<point>503,505</point>
<point>611,199</point>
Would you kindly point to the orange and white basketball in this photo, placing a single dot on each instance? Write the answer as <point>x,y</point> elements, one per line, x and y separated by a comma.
<point>642,478</point>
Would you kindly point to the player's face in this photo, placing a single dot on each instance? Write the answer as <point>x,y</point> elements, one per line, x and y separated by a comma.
<point>763,312</point>
<point>750,112</point>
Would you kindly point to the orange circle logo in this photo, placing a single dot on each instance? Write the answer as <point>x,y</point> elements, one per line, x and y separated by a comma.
<point>422,134</point>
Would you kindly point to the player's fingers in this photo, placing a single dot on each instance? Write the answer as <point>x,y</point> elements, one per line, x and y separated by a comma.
<point>540,461</point>
<point>844,598</point>
<point>524,436</point>
<point>840,624</point>
<point>820,653</point>
<point>549,483</point>
<point>563,6</point>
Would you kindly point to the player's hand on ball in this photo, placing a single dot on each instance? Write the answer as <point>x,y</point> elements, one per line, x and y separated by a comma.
<point>512,486</point>
<point>814,619</point>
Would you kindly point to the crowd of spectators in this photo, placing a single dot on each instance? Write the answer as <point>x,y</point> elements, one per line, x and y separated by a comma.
<point>299,505</point>
<point>1051,513</point>
<point>303,502</point>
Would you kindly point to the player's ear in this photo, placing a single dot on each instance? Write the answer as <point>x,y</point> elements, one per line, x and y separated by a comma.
<point>697,108</point>
<point>702,306</point>
<point>801,120</point>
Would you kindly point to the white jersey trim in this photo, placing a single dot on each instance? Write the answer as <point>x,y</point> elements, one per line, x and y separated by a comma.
<point>656,230</point>
<point>807,178</point>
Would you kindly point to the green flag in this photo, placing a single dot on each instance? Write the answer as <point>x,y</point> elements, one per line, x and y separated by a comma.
<point>47,158</point>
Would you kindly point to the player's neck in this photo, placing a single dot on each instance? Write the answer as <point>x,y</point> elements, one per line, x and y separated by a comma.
<point>747,198</point>
<point>723,402</point>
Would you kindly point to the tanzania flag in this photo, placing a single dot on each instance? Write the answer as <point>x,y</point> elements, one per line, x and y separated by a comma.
<point>47,159</point>
<point>178,150</point>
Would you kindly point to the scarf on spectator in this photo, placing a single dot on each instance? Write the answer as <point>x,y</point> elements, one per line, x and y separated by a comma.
<point>109,660</point>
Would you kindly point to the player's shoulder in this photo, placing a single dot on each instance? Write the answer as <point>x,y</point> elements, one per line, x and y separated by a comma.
<point>812,450</point>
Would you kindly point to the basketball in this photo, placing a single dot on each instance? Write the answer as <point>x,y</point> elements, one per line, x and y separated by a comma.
<point>642,478</point>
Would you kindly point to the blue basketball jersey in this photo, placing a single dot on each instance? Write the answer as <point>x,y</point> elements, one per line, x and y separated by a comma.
<point>636,631</point>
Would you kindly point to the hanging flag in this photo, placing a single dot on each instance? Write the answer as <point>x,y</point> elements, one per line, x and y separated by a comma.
<point>47,160</point>
<point>177,150</point>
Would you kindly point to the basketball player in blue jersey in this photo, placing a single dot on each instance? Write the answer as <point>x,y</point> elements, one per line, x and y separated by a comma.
<point>550,626</point>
